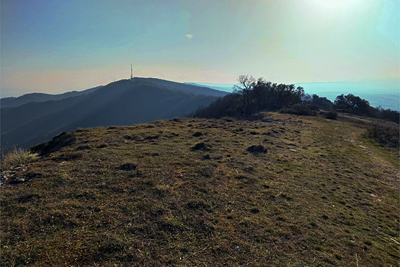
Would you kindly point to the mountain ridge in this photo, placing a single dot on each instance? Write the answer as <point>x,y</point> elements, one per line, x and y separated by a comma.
<point>11,102</point>
<point>123,102</point>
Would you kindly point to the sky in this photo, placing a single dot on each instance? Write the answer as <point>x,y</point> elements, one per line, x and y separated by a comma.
<point>57,46</point>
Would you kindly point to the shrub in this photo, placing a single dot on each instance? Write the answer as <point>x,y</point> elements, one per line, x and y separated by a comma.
<point>384,135</point>
<point>16,157</point>
<point>320,102</point>
<point>332,115</point>
<point>387,114</point>
<point>257,149</point>
<point>353,104</point>
<point>299,109</point>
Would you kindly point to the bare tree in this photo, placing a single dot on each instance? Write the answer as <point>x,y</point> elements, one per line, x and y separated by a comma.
<point>244,89</point>
<point>246,83</point>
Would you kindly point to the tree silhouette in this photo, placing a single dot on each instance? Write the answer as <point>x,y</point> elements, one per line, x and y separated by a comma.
<point>252,96</point>
<point>353,104</point>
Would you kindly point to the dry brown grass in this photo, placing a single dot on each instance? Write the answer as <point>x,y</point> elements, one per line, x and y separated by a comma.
<point>142,196</point>
<point>16,157</point>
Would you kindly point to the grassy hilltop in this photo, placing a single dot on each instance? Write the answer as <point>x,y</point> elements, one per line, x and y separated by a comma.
<point>288,191</point>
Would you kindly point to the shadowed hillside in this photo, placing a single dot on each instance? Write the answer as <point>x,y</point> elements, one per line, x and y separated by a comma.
<point>124,102</point>
<point>182,87</point>
<point>282,191</point>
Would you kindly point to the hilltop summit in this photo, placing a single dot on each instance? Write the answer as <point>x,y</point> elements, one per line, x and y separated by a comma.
<point>283,191</point>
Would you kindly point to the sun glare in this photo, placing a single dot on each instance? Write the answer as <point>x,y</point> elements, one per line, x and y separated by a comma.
<point>332,4</point>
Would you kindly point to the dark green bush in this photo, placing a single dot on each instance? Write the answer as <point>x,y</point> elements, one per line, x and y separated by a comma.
<point>353,104</point>
<point>387,114</point>
<point>332,115</point>
<point>384,135</point>
<point>299,109</point>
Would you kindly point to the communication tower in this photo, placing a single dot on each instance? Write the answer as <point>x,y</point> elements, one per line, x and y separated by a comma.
<point>131,73</point>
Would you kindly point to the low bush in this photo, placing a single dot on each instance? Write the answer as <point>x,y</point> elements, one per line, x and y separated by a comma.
<point>384,135</point>
<point>332,115</point>
<point>387,114</point>
<point>299,109</point>
<point>16,157</point>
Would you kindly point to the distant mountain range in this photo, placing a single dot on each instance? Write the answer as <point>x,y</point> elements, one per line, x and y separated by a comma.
<point>11,102</point>
<point>220,87</point>
<point>124,102</point>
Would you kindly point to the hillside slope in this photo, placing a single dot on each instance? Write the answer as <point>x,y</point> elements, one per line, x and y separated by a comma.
<point>120,103</point>
<point>294,191</point>
<point>12,118</point>
<point>183,87</point>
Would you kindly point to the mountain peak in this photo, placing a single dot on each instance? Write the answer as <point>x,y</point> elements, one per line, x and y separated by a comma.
<point>124,102</point>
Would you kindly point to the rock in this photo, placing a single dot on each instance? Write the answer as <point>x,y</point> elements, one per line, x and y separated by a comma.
<point>58,142</point>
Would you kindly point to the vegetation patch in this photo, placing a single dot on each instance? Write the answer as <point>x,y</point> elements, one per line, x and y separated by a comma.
<point>201,146</point>
<point>16,157</point>
<point>68,155</point>
<point>127,167</point>
<point>300,109</point>
<point>83,147</point>
<point>331,115</point>
<point>252,97</point>
<point>27,198</point>
<point>257,149</point>
<point>385,135</point>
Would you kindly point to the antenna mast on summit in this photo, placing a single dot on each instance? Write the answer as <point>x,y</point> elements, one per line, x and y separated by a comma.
<point>131,73</point>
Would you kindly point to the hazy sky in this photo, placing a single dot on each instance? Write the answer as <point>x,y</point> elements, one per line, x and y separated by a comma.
<point>56,46</point>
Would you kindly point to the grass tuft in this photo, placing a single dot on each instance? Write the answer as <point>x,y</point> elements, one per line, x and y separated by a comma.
<point>17,157</point>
